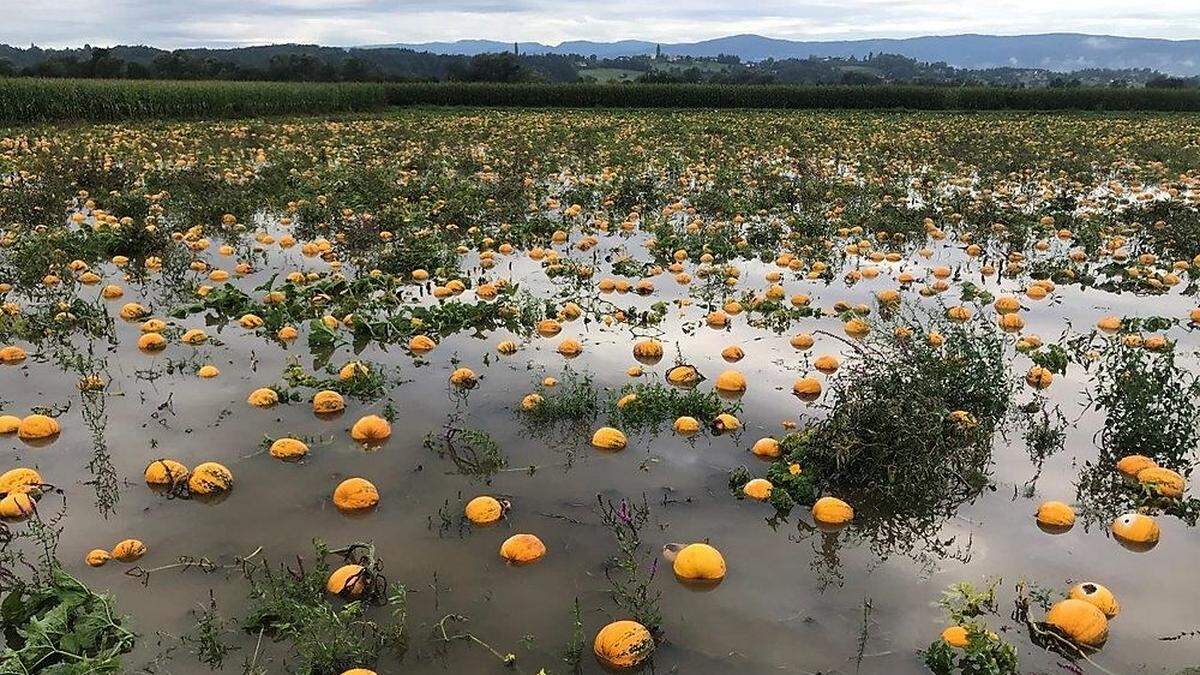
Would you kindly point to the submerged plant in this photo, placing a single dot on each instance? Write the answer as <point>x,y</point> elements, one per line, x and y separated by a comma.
<point>656,405</point>
<point>573,402</point>
<point>632,569</point>
<point>1150,406</point>
<point>325,635</point>
<point>969,647</point>
<point>61,626</point>
<point>474,452</point>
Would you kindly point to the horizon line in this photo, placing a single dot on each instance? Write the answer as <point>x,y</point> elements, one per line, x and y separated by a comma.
<point>559,44</point>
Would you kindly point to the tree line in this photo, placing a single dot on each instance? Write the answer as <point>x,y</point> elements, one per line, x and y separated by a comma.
<point>311,63</point>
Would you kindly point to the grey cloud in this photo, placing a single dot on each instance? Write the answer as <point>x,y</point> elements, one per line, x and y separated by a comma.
<point>178,23</point>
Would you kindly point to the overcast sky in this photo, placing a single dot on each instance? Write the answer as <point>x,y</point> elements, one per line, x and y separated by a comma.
<point>188,23</point>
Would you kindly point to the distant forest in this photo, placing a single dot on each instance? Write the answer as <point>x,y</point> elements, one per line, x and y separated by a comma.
<point>303,63</point>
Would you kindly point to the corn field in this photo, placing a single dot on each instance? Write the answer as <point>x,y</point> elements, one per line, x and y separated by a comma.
<point>790,96</point>
<point>25,100</point>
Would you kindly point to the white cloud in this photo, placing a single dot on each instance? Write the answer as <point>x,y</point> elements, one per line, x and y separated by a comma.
<point>179,23</point>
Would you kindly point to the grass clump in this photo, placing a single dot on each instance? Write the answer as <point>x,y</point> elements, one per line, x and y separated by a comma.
<point>656,405</point>
<point>290,604</point>
<point>573,400</point>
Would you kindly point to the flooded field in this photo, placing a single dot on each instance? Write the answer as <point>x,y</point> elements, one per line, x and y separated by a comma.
<point>915,379</point>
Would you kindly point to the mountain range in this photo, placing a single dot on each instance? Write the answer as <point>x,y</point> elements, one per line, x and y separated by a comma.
<point>1061,52</point>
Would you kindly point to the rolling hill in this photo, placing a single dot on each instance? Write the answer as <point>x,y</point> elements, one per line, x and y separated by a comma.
<point>1052,51</point>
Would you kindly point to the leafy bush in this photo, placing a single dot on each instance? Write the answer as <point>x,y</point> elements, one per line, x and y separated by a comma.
<point>985,654</point>
<point>62,627</point>
<point>909,421</point>
<point>1150,408</point>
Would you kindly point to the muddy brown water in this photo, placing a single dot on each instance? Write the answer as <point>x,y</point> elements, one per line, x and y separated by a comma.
<point>792,601</point>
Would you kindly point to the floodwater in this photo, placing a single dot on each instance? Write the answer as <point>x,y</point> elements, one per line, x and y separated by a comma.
<point>793,599</point>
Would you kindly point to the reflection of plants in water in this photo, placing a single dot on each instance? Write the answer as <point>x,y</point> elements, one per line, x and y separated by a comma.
<point>1151,408</point>
<point>1045,433</point>
<point>888,531</point>
<point>631,571</point>
<point>473,451</point>
<point>826,563</point>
